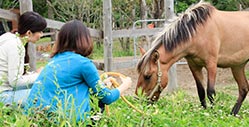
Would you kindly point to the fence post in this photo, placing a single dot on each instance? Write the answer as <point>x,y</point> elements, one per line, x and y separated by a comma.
<point>107,23</point>
<point>172,83</point>
<point>26,5</point>
<point>169,13</point>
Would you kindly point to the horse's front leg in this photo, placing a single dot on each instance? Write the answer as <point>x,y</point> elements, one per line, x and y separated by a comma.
<point>198,76</point>
<point>239,76</point>
<point>211,73</point>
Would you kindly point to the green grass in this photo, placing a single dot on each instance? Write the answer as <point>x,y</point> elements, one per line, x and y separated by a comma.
<point>174,110</point>
<point>44,39</point>
<point>117,51</point>
<point>181,110</point>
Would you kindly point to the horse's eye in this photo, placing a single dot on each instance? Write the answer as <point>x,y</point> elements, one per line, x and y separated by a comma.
<point>147,77</point>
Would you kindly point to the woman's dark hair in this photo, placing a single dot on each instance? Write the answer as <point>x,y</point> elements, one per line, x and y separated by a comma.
<point>73,36</point>
<point>31,21</point>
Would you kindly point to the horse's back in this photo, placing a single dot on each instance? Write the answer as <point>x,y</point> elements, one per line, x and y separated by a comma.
<point>233,24</point>
<point>233,35</point>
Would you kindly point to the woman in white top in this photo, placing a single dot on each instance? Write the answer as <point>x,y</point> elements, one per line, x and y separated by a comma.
<point>13,84</point>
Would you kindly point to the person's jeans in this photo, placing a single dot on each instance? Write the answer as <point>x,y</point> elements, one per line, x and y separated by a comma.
<point>18,96</point>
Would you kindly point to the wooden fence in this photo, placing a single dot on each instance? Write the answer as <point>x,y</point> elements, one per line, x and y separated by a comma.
<point>107,35</point>
<point>109,64</point>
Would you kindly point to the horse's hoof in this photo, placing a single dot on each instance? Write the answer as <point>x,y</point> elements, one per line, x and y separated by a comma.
<point>236,109</point>
<point>235,114</point>
<point>204,104</point>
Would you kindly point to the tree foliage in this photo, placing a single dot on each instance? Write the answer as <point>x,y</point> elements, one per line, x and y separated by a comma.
<point>9,4</point>
<point>88,11</point>
<point>227,5</point>
<point>41,7</point>
<point>124,13</point>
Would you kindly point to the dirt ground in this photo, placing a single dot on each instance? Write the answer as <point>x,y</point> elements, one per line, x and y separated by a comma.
<point>186,81</point>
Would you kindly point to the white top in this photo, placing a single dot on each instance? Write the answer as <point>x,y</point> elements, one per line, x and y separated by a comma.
<point>12,54</point>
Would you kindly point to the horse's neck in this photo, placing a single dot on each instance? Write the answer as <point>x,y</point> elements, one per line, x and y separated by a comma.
<point>172,57</point>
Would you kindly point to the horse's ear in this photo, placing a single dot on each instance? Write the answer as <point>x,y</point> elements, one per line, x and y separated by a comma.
<point>142,51</point>
<point>155,56</point>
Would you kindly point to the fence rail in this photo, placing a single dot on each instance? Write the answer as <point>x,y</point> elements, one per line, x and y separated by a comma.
<point>6,14</point>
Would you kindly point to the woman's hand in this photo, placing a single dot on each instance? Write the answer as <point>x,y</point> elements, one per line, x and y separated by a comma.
<point>126,83</point>
<point>108,82</point>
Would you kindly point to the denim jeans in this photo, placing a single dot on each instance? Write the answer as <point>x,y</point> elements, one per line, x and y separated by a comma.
<point>18,96</point>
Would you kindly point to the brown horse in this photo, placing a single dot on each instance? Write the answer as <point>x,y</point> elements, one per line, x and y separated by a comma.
<point>207,38</point>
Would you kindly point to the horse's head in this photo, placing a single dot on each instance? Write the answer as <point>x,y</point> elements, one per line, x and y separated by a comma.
<point>151,79</point>
<point>170,45</point>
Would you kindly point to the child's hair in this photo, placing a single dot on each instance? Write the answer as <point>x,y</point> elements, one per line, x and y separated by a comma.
<point>31,21</point>
<point>73,36</point>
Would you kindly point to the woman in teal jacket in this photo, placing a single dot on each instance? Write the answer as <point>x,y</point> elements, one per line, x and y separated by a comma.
<point>68,77</point>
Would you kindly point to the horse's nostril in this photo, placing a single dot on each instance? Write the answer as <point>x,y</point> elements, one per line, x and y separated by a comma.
<point>154,97</point>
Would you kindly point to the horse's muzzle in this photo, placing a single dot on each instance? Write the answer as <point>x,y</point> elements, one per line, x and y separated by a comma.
<point>155,96</point>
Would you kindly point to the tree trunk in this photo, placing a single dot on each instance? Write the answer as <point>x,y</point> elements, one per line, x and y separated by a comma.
<point>145,43</point>
<point>158,10</point>
<point>143,12</point>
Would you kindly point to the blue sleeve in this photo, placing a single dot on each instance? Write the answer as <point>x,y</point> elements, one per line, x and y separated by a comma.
<point>90,74</point>
<point>91,77</point>
<point>108,96</point>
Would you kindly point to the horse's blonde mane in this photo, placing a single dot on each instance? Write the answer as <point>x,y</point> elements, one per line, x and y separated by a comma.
<point>180,31</point>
